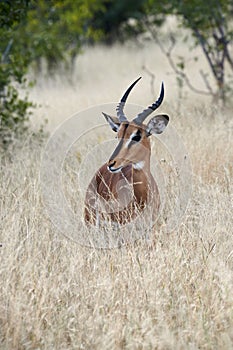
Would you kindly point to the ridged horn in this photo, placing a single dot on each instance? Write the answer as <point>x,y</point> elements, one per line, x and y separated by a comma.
<point>144,114</point>
<point>120,107</point>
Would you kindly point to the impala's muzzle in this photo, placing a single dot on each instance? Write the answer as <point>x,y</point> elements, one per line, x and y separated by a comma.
<point>111,163</point>
<point>111,167</point>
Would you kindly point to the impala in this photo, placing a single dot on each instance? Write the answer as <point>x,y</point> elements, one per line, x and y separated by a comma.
<point>123,187</point>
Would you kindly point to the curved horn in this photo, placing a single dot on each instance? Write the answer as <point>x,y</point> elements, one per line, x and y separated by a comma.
<point>144,114</point>
<point>120,107</point>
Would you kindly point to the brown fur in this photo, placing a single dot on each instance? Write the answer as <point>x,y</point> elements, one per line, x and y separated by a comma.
<point>103,186</point>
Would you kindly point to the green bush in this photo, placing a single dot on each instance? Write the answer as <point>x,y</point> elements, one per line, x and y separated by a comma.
<point>31,31</point>
<point>14,111</point>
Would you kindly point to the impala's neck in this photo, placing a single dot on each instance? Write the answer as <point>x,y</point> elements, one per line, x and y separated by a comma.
<point>143,166</point>
<point>142,179</point>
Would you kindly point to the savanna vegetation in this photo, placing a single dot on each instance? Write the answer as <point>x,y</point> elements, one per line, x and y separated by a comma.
<point>38,33</point>
<point>173,291</point>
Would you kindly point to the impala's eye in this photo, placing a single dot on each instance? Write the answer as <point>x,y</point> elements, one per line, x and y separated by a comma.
<point>136,138</point>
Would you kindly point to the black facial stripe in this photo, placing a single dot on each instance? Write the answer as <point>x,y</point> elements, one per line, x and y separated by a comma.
<point>126,126</point>
<point>130,144</point>
<point>118,148</point>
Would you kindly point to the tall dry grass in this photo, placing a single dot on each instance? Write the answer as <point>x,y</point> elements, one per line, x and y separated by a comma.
<point>173,294</point>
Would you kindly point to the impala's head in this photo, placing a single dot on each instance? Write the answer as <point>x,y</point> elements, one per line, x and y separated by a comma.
<point>134,144</point>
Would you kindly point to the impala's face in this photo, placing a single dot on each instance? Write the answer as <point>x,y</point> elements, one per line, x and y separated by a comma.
<point>134,144</point>
<point>133,147</point>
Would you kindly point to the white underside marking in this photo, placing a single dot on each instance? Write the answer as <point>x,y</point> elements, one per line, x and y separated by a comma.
<point>139,165</point>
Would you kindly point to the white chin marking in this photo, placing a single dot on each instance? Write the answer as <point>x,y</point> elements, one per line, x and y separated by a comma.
<point>139,165</point>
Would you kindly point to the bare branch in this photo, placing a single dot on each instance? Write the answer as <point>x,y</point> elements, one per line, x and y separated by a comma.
<point>207,84</point>
<point>206,50</point>
<point>168,54</point>
<point>6,52</point>
<point>152,75</point>
<point>226,43</point>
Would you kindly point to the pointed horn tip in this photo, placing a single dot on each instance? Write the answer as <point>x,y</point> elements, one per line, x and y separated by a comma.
<point>162,91</point>
<point>105,115</point>
<point>162,86</point>
<point>135,82</point>
<point>145,113</point>
<point>125,96</point>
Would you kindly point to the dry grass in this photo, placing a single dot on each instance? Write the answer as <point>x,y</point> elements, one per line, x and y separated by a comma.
<point>173,294</point>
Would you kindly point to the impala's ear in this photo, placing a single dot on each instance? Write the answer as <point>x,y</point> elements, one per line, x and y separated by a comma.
<point>157,124</point>
<point>112,121</point>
